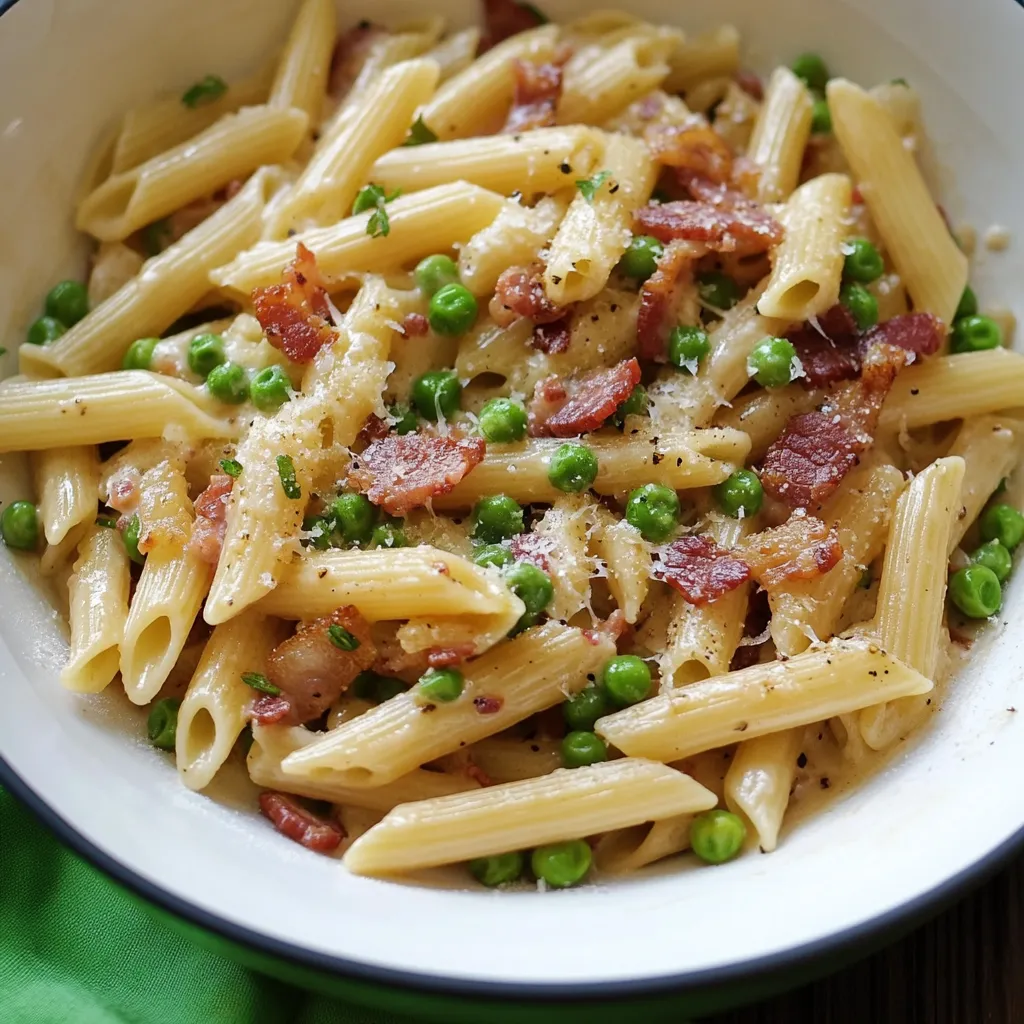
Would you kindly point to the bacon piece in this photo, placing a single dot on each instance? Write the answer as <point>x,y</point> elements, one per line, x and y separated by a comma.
<point>700,570</point>
<point>488,706</point>
<point>404,472</point>
<point>533,548</point>
<point>504,18</point>
<point>827,353</point>
<point>568,408</point>
<point>614,627</point>
<point>744,227</point>
<point>295,314</point>
<point>293,820</point>
<point>802,548</point>
<point>373,429</point>
<point>349,56</point>
<point>311,671</point>
<point>657,300</point>
<point>751,84</point>
<point>554,337</point>
<point>439,657</point>
<point>270,710</point>
<point>210,523</point>
<point>920,333</point>
<point>695,147</point>
<point>124,490</point>
<point>520,292</point>
<point>538,90</point>
<point>415,325</point>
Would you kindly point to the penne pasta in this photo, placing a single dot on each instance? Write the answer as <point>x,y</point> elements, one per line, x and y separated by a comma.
<point>780,135</point>
<point>301,78</point>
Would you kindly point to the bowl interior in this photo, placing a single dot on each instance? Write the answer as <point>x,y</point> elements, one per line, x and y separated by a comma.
<point>67,71</point>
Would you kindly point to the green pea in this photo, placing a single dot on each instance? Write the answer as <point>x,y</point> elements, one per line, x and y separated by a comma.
<point>580,748</point>
<point>389,535</point>
<point>640,260</point>
<point>975,334</point>
<point>812,69</point>
<point>718,290</point>
<point>995,556</point>
<point>369,685</point>
<point>773,363</point>
<point>717,836</point>
<point>228,383</point>
<point>654,510</point>
<point>404,417</point>
<point>626,680</point>
<point>452,311</point>
<point>821,118</point>
<point>140,354</point>
<point>687,346</point>
<point>353,516</point>
<point>162,724</point>
<point>493,554</point>
<point>270,389</point>
<point>206,90</point>
<point>497,517</point>
<point>975,591</point>
<point>67,302</point>
<point>319,530</point>
<point>1004,524</point>
<point>968,305</point>
<point>561,865</point>
<point>583,709</point>
<point>503,420</point>
<point>635,405</point>
<point>205,351</point>
<point>434,272</point>
<point>499,869</point>
<point>573,467</point>
<point>533,587</point>
<point>863,262</point>
<point>862,305</point>
<point>131,535</point>
<point>44,330</point>
<point>19,526</point>
<point>442,685</point>
<point>437,394</point>
<point>740,495</point>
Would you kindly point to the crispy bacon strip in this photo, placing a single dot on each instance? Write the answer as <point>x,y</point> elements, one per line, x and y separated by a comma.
<point>802,548</point>
<point>828,352</point>
<point>538,90</point>
<point>311,671</point>
<point>401,473</point>
<point>210,523</point>
<point>700,570</point>
<point>920,333</point>
<point>657,301</point>
<point>553,338</point>
<point>694,147</point>
<point>349,56</point>
<point>520,292</point>
<point>568,408</point>
<point>504,18</point>
<point>743,228</point>
<point>295,314</point>
<point>302,826</point>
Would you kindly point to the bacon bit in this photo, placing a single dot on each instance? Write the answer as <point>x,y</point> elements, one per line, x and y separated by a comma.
<point>124,491</point>
<point>504,18</point>
<point>295,315</point>
<point>349,56</point>
<point>827,355</point>
<point>401,473</point>
<point>293,820</point>
<point>441,568</point>
<point>440,657</point>
<point>694,147</point>
<point>614,627</point>
<point>657,299</point>
<point>802,548</point>
<point>751,84</point>
<point>553,338</point>
<point>538,90</point>
<point>920,333</point>
<point>415,325</point>
<point>488,705</point>
<point>533,548</point>
<point>311,672</point>
<point>744,657</point>
<point>373,429</point>
<point>743,228</point>
<point>700,570</point>
<point>579,404</point>
<point>520,292</point>
<point>268,710</point>
<point>211,519</point>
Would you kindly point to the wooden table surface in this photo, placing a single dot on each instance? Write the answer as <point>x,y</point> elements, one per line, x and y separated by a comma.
<point>964,967</point>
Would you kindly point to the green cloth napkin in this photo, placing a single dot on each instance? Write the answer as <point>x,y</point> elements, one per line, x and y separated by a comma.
<point>77,949</point>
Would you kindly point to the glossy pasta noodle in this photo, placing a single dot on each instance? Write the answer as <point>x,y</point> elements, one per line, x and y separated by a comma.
<point>530,359</point>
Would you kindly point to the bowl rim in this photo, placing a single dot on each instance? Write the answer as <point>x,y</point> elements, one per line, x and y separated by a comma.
<point>900,918</point>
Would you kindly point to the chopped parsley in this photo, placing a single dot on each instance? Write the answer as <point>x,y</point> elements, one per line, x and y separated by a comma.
<point>107,522</point>
<point>206,90</point>
<point>420,133</point>
<point>372,197</point>
<point>261,683</point>
<point>232,467</point>
<point>342,638</point>
<point>286,471</point>
<point>588,186</point>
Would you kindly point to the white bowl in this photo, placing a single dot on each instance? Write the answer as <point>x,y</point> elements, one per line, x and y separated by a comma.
<point>943,809</point>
